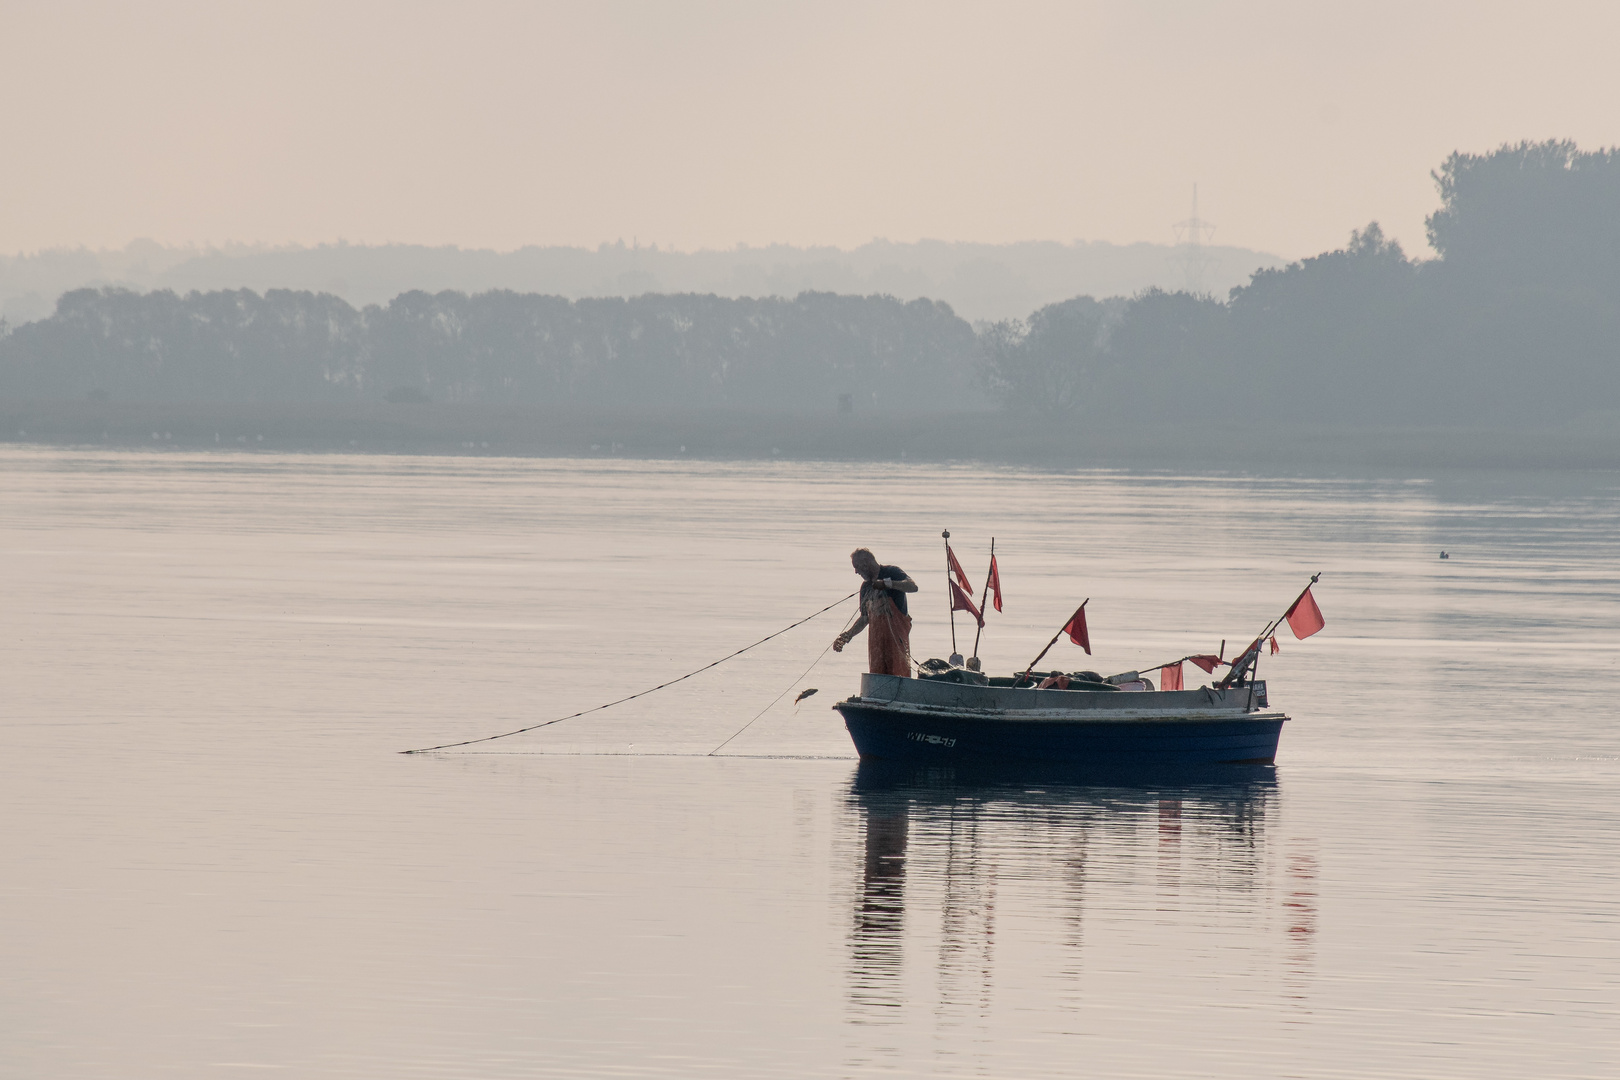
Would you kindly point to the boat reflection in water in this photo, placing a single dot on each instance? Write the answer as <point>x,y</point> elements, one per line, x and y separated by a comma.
<point>977,892</point>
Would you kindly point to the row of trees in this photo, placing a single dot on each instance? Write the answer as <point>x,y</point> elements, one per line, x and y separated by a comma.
<point>494,347</point>
<point>1516,322</point>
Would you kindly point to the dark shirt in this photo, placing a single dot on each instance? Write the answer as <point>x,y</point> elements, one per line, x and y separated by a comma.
<point>893,573</point>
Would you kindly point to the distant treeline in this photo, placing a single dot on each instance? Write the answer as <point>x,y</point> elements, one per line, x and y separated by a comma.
<point>495,348</point>
<point>1517,322</point>
<point>980,281</point>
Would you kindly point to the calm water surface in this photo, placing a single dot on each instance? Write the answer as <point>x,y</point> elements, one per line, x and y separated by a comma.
<point>215,862</point>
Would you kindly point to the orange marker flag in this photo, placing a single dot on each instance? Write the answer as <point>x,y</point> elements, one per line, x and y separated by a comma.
<point>960,602</point>
<point>956,568</point>
<point>993,589</point>
<point>1170,676</point>
<point>1274,649</point>
<point>1076,629</point>
<point>1305,618</point>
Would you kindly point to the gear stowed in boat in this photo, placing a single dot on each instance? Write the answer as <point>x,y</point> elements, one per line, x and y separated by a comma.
<point>961,715</point>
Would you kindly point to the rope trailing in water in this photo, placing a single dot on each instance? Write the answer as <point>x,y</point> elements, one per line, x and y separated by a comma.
<point>632,697</point>
<point>783,694</point>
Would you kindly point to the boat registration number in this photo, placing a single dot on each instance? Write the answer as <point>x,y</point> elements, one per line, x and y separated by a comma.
<point>932,740</point>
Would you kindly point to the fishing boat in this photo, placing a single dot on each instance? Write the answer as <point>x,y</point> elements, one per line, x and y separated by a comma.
<point>956,718</point>
<point>954,713</point>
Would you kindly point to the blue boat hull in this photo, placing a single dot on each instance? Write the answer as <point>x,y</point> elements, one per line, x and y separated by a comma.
<point>997,778</point>
<point>885,735</point>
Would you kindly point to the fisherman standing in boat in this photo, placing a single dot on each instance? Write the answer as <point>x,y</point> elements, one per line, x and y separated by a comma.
<point>883,609</point>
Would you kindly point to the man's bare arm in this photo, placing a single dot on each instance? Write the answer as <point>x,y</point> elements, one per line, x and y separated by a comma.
<point>899,584</point>
<point>849,635</point>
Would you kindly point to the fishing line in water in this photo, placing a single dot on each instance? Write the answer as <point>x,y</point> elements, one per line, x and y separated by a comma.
<point>644,693</point>
<point>784,693</point>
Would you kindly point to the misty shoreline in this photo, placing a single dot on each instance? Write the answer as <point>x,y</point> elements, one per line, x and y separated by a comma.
<point>1501,352</point>
<point>979,280</point>
<point>991,438</point>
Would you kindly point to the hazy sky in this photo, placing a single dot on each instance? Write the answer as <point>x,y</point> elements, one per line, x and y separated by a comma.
<point>709,124</point>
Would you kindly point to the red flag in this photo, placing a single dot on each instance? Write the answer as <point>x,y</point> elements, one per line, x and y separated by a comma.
<point>1170,676</point>
<point>1076,629</point>
<point>1208,662</point>
<point>960,602</point>
<point>1305,618</point>
<point>993,588</point>
<point>956,568</point>
<point>1274,649</point>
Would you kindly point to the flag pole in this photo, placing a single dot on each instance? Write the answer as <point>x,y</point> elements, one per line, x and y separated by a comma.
<point>1271,628</point>
<point>1055,636</point>
<point>985,600</point>
<point>946,534</point>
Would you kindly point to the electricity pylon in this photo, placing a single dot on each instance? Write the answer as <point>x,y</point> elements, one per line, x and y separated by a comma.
<point>1191,256</point>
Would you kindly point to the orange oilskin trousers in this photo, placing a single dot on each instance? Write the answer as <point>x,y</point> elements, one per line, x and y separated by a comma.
<point>888,638</point>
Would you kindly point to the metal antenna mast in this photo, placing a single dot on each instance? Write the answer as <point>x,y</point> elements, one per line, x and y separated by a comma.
<point>1194,260</point>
